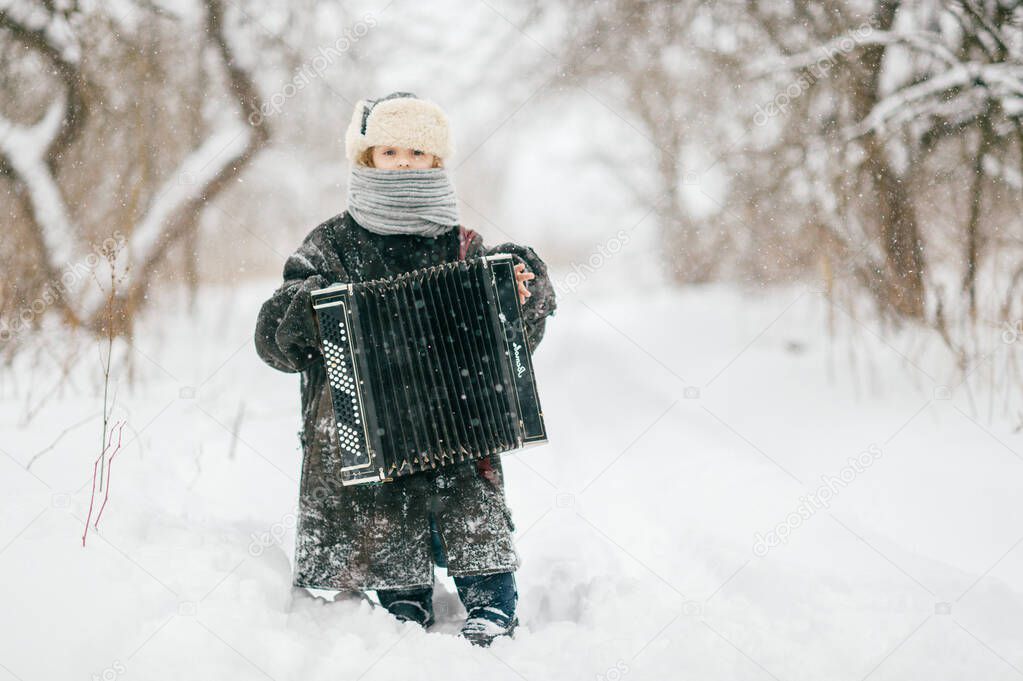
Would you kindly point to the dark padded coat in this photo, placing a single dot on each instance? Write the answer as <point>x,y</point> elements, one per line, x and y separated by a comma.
<point>377,536</point>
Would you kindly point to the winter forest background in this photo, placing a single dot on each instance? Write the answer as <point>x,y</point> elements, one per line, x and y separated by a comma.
<point>783,384</point>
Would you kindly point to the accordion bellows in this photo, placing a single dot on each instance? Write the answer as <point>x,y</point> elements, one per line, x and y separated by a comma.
<point>428,369</point>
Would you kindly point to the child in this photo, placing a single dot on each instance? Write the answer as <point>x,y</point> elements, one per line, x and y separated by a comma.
<point>402,215</point>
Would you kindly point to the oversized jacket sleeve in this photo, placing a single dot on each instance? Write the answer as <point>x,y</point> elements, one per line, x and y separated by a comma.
<point>542,303</point>
<point>286,334</point>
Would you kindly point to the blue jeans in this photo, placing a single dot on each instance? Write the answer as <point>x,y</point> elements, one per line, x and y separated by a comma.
<point>480,591</point>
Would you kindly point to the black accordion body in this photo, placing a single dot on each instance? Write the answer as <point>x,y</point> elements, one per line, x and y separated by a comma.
<point>428,368</point>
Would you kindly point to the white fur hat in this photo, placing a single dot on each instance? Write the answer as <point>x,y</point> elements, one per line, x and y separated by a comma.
<point>398,120</point>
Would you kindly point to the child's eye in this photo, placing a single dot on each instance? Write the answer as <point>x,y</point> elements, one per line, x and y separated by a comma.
<point>389,152</point>
<point>417,152</point>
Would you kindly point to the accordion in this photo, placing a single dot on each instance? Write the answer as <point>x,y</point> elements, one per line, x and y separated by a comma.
<point>428,368</point>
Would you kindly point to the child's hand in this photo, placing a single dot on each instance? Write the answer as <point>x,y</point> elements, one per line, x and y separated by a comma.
<point>486,469</point>
<point>521,277</point>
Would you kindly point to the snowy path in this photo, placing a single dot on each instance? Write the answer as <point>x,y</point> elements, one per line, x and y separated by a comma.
<point>683,424</point>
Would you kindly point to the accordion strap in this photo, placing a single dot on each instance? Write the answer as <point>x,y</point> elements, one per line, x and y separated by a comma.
<point>465,237</point>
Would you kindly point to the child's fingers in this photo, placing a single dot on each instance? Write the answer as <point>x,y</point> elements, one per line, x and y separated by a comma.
<point>522,273</point>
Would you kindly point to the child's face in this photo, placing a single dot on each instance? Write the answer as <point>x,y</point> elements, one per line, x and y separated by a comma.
<point>401,158</point>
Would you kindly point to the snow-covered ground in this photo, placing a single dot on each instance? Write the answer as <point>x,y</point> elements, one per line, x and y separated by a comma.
<point>684,425</point>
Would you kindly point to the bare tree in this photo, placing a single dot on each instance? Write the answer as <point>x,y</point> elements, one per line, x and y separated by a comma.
<point>651,55</point>
<point>829,121</point>
<point>36,157</point>
<point>913,87</point>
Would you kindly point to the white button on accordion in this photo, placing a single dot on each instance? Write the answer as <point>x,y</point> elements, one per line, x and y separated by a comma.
<point>428,369</point>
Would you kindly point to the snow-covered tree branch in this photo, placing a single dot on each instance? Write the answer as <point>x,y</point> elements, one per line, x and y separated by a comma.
<point>34,155</point>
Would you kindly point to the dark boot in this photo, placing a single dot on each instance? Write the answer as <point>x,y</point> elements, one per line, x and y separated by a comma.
<point>490,601</point>
<point>485,624</point>
<point>409,605</point>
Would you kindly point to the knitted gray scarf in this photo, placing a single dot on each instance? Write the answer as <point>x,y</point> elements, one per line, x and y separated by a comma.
<point>420,202</point>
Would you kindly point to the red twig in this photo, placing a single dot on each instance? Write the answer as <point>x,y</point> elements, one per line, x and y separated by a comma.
<point>119,427</point>
<point>110,467</point>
